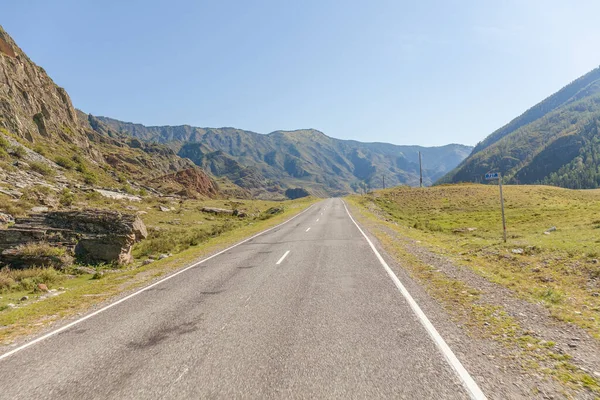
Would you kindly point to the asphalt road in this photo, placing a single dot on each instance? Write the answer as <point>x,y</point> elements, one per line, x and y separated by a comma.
<point>325,321</point>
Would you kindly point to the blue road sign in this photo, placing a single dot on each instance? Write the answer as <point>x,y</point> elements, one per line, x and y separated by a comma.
<point>493,175</point>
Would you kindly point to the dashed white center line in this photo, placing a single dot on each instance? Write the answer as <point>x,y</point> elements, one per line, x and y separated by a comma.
<point>317,219</point>
<point>283,257</point>
<point>308,230</point>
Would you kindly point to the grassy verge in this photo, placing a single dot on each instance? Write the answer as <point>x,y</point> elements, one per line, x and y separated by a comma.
<point>462,222</point>
<point>77,293</point>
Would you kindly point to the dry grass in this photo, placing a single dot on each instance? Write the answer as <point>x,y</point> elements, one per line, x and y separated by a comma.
<point>12,280</point>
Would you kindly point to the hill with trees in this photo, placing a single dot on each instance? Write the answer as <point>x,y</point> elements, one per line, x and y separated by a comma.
<point>555,142</point>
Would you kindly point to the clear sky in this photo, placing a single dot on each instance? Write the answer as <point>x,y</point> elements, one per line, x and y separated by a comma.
<point>406,72</point>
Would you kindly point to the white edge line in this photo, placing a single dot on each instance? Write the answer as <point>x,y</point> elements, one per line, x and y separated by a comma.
<point>470,385</point>
<point>283,257</point>
<point>308,229</point>
<point>71,324</point>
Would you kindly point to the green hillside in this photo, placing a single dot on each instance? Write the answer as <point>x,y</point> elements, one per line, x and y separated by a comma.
<point>304,158</point>
<point>555,142</point>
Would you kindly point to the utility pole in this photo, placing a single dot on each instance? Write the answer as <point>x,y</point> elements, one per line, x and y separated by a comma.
<point>420,171</point>
<point>383,178</point>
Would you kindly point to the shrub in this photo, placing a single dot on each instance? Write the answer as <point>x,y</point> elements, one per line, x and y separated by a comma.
<point>13,280</point>
<point>40,149</point>
<point>42,168</point>
<point>93,196</point>
<point>127,189</point>
<point>18,151</point>
<point>66,197</point>
<point>90,178</point>
<point>65,162</point>
<point>42,254</point>
<point>4,144</point>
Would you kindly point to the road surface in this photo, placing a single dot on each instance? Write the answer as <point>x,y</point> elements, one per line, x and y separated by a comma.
<point>305,310</point>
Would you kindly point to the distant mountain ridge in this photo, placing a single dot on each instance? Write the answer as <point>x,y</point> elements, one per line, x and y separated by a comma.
<point>555,142</point>
<point>306,158</point>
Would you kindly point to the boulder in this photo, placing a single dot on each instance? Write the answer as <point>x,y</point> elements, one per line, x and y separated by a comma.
<point>6,218</point>
<point>94,235</point>
<point>215,210</point>
<point>42,287</point>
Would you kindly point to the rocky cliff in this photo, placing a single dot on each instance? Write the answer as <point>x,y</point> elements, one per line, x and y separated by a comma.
<point>46,142</point>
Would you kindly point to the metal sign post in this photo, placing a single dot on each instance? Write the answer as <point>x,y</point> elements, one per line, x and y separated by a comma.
<point>497,175</point>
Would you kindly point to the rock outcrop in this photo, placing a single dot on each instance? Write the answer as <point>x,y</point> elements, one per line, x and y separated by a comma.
<point>195,182</point>
<point>31,104</point>
<point>94,235</point>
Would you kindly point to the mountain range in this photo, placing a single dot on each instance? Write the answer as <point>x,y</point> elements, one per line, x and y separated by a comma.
<point>306,158</point>
<point>555,142</point>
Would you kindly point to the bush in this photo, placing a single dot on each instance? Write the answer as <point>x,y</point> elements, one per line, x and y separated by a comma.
<point>4,144</point>
<point>14,280</point>
<point>65,162</point>
<point>18,151</point>
<point>66,197</point>
<point>41,254</point>
<point>40,150</point>
<point>42,168</point>
<point>90,178</point>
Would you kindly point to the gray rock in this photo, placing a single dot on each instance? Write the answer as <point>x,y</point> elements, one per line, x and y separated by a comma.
<point>148,261</point>
<point>215,210</point>
<point>24,298</point>
<point>517,251</point>
<point>85,270</point>
<point>163,208</point>
<point>163,256</point>
<point>39,209</point>
<point>21,164</point>
<point>6,218</point>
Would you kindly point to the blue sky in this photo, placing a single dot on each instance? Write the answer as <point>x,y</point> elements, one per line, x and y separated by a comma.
<point>405,72</point>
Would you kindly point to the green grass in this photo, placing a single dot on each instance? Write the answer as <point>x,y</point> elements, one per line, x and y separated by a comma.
<point>440,215</point>
<point>559,269</point>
